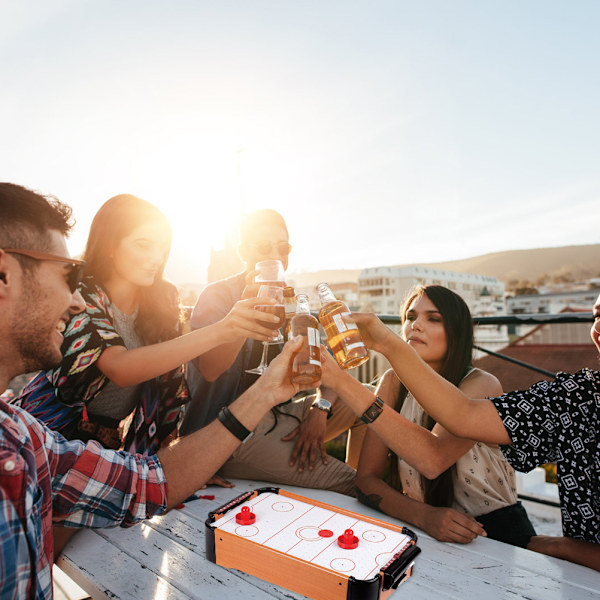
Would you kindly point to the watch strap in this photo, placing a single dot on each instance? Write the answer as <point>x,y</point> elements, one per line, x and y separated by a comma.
<point>233,425</point>
<point>373,411</point>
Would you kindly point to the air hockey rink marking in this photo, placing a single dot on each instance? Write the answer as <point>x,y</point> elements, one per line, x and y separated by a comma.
<point>292,527</point>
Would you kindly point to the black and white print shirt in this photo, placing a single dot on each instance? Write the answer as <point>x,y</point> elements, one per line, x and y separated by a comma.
<point>559,421</point>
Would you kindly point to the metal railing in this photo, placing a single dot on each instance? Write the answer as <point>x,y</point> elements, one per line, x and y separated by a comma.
<point>523,319</point>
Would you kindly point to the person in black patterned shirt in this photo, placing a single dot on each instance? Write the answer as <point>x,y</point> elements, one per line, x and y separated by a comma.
<point>552,421</point>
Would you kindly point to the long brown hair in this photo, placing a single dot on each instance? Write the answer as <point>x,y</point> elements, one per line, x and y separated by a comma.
<point>158,314</point>
<point>458,325</point>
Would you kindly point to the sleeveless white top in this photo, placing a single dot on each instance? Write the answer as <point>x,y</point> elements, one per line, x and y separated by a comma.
<point>483,480</point>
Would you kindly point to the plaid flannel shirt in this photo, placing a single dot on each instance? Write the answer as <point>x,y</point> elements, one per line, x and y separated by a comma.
<point>45,479</point>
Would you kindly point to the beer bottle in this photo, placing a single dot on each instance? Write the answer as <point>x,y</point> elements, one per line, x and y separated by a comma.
<point>289,304</point>
<point>306,367</point>
<point>342,333</point>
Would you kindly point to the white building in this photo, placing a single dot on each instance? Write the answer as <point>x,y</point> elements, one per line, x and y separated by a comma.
<point>383,289</point>
<point>552,303</point>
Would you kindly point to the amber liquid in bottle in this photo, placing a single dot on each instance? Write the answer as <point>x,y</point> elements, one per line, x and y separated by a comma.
<point>289,303</point>
<point>342,333</point>
<point>306,366</point>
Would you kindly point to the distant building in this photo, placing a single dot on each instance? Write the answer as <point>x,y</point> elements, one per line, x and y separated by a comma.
<point>552,303</point>
<point>383,289</point>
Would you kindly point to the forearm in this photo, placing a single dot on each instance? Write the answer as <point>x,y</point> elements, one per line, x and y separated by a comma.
<point>190,461</point>
<point>374,492</point>
<point>576,551</point>
<point>583,553</point>
<point>130,367</point>
<point>462,416</point>
<point>213,363</point>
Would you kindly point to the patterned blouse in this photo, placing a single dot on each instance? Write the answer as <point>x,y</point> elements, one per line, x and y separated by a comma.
<point>483,481</point>
<point>58,397</point>
<point>560,421</point>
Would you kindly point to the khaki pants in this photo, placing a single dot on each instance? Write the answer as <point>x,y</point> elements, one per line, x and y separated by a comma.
<point>266,457</point>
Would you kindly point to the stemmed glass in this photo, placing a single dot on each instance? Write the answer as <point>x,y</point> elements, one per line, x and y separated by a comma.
<point>276,293</point>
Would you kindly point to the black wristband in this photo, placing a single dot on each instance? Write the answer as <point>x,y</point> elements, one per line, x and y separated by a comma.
<point>373,411</point>
<point>233,425</point>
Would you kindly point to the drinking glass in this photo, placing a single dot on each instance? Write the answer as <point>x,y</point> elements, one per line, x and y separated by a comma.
<point>271,272</point>
<point>275,292</point>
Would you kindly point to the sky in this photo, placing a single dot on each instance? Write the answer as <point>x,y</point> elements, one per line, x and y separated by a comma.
<point>385,132</point>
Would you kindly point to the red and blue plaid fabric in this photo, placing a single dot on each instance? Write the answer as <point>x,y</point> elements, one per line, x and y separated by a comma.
<point>45,479</point>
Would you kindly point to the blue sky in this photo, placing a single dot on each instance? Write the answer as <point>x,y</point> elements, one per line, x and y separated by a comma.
<point>385,132</point>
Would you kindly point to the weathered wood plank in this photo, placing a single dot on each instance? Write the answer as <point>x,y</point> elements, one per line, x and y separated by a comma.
<point>167,555</point>
<point>104,574</point>
<point>189,570</point>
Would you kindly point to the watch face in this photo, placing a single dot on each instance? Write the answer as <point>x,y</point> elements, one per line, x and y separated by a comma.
<point>323,404</point>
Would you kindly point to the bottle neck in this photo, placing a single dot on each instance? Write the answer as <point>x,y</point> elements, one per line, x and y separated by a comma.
<point>302,307</point>
<point>325,295</point>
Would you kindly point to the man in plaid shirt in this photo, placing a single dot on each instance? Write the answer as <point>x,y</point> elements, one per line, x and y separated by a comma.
<point>45,479</point>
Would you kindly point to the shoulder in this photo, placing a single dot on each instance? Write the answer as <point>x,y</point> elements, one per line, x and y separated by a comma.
<point>217,299</point>
<point>481,384</point>
<point>230,287</point>
<point>95,297</point>
<point>18,423</point>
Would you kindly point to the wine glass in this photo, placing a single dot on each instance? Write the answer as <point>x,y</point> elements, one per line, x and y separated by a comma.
<point>271,272</point>
<point>275,292</point>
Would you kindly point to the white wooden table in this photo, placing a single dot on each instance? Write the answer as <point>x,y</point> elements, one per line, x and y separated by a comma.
<point>164,559</point>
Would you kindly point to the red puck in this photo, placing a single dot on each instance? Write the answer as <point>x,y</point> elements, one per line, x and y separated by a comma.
<point>325,532</point>
<point>245,517</point>
<point>348,540</point>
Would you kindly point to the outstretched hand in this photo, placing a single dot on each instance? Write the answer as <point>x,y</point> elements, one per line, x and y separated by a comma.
<point>331,373</point>
<point>372,330</point>
<point>276,381</point>
<point>243,321</point>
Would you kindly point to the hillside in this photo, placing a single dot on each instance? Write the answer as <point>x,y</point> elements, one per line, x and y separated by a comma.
<point>574,263</point>
<point>578,262</point>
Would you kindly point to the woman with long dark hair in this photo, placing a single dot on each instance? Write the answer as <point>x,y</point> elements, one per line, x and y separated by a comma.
<point>454,489</point>
<point>121,379</point>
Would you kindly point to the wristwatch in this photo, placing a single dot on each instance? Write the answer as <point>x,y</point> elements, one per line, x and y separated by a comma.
<point>322,404</point>
<point>373,411</point>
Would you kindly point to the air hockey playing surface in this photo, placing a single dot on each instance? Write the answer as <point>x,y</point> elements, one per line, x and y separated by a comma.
<point>310,547</point>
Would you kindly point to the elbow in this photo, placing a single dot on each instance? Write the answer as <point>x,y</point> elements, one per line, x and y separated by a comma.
<point>434,467</point>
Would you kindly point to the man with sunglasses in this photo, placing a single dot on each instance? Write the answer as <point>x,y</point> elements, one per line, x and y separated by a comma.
<point>45,479</point>
<point>288,445</point>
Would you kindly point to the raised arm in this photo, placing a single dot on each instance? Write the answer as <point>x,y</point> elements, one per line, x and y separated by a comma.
<point>129,367</point>
<point>449,406</point>
<point>430,452</point>
<point>190,461</point>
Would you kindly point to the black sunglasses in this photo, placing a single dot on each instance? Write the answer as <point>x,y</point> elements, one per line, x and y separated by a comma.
<point>265,248</point>
<point>73,275</point>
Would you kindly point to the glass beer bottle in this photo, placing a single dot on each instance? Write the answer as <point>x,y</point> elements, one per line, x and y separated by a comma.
<point>289,304</point>
<point>342,333</point>
<point>306,367</point>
